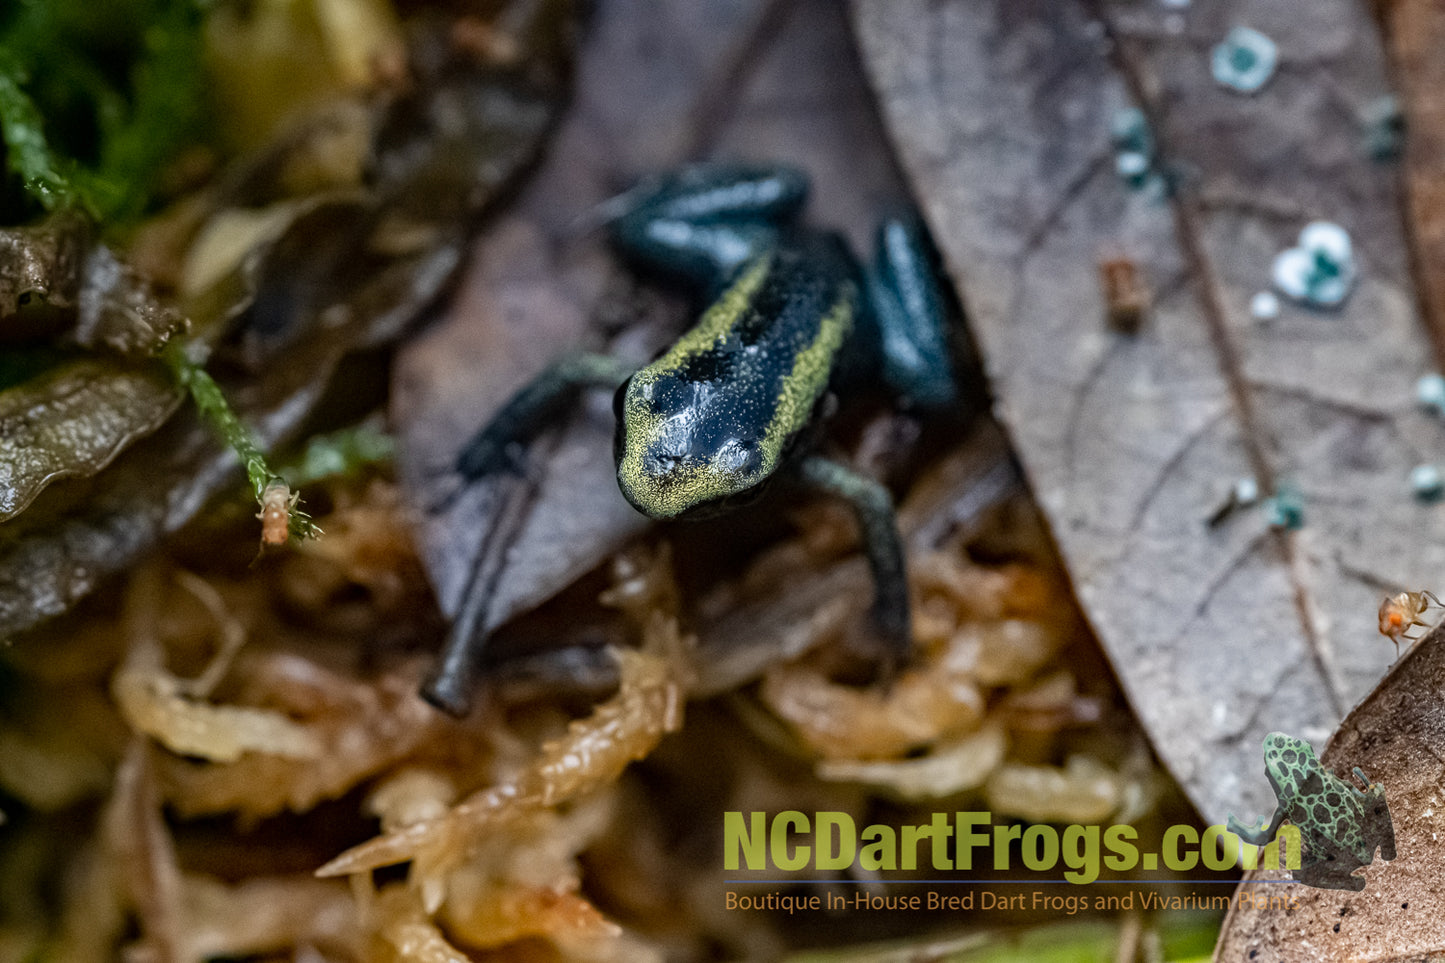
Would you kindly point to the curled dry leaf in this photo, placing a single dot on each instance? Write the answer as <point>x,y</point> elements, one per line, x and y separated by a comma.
<point>1002,112</point>
<point>1397,736</point>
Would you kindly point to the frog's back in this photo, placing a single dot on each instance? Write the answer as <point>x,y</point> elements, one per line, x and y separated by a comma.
<point>1328,810</point>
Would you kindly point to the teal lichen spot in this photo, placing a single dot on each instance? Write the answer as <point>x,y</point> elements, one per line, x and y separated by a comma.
<point>1382,126</point>
<point>1285,509</point>
<point>1427,483</point>
<point>1430,393</point>
<point>1244,61</point>
<point>1133,147</point>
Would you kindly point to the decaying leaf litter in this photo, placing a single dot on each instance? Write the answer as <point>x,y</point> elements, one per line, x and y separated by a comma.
<point>374,261</point>
<point>1131,441</point>
<point>355,728</point>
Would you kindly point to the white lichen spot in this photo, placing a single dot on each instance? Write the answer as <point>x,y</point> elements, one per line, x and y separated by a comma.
<point>1264,306</point>
<point>1430,393</point>
<point>1246,491</point>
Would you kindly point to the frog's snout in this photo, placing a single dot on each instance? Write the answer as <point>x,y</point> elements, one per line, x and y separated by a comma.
<point>665,479</point>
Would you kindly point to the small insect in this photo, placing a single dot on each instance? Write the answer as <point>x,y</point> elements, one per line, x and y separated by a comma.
<point>1126,297</point>
<point>1401,613</point>
<point>275,514</point>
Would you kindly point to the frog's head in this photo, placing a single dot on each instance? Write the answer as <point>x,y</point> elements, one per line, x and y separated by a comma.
<point>1291,766</point>
<point>685,448</point>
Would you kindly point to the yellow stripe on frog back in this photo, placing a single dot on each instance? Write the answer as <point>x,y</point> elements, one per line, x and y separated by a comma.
<point>805,384</point>
<point>717,322</point>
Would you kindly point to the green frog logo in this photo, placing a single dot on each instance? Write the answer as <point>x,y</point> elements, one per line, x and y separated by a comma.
<point>1340,824</point>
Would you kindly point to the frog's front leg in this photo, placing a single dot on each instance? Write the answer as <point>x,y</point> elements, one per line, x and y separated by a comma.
<point>878,526</point>
<point>911,316</point>
<point>1262,832</point>
<point>536,405</point>
<point>489,451</point>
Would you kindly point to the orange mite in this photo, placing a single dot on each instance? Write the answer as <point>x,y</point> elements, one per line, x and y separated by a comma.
<point>275,514</point>
<point>1400,613</point>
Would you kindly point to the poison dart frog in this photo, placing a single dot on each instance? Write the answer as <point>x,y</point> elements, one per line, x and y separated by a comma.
<point>791,320</point>
<point>1340,824</point>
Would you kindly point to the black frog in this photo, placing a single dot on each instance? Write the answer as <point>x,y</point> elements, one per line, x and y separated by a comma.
<point>792,319</point>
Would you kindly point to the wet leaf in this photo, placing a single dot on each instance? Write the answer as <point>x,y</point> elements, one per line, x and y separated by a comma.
<point>118,310</point>
<point>1396,735</point>
<point>530,295</point>
<point>41,261</point>
<point>72,421</point>
<point>1002,112</point>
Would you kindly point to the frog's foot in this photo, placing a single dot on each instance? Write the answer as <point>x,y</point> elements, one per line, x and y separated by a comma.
<point>1256,834</point>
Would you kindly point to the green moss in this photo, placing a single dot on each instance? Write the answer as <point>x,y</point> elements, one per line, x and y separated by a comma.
<point>211,402</point>
<point>95,99</point>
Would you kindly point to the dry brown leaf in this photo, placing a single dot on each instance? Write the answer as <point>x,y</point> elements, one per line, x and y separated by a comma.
<point>1002,112</point>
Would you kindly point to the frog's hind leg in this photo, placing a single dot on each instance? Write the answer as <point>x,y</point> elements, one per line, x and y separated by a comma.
<point>702,222</point>
<point>1327,866</point>
<point>873,507</point>
<point>490,450</point>
<point>910,312</point>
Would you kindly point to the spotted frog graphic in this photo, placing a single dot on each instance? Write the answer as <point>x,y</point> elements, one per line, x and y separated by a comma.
<point>1340,824</point>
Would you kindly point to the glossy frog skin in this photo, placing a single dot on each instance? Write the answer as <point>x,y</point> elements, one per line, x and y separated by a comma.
<point>790,319</point>
<point>1340,825</point>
